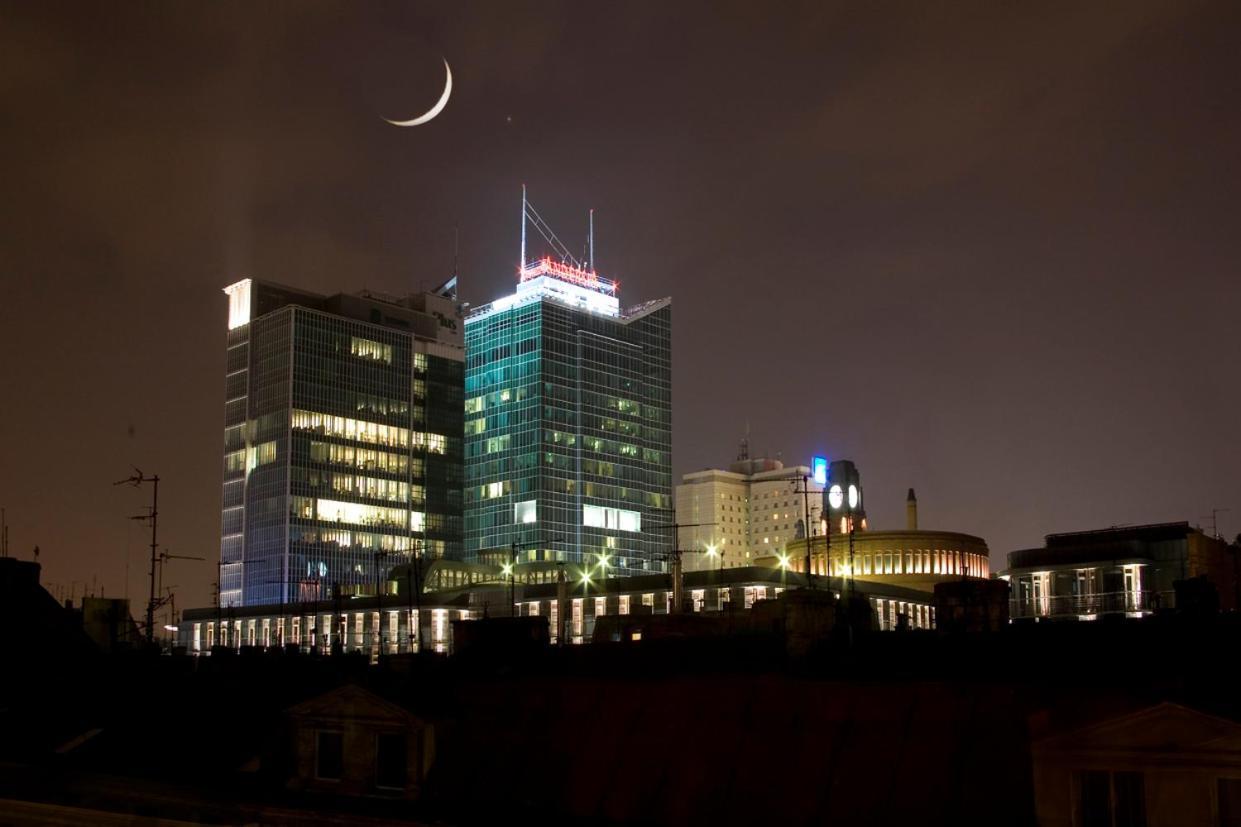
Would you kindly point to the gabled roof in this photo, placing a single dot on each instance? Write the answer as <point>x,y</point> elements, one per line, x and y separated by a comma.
<point>355,703</point>
<point>1163,728</point>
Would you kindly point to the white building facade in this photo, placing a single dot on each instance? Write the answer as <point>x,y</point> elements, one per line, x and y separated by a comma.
<point>732,518</point>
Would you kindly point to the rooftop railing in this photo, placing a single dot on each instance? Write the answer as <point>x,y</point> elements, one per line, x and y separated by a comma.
<point>1088,605</point>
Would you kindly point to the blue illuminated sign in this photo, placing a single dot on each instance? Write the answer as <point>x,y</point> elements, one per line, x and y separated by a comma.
<point>820,470</point>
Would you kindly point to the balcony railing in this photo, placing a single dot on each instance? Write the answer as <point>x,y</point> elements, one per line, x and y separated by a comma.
<point>1088,605</point>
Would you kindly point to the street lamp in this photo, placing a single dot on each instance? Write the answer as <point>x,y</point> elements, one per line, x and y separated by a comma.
<point>510,569</point>
<point>713,552</point>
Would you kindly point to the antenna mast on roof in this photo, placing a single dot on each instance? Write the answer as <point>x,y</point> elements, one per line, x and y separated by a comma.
<point>592,240</point>
<point>528,212</point>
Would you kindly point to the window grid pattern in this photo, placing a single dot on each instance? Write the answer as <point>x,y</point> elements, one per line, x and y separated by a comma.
<point>570,409</point>
<point>350,456</point>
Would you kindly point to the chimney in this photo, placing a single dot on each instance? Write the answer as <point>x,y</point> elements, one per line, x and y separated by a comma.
<point>911,511</point>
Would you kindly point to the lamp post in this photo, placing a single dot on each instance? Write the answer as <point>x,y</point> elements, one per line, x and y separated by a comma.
<point>675,554</point>
<point>379,599</point>
<point>413,587</point>
<point>509,570</point>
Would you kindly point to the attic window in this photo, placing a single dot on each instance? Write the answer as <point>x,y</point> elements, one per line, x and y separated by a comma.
<point>329,755</point>
<point>391,754</point>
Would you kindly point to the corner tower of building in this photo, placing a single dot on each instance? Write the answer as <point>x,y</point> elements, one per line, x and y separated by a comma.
<point>342,439</point>
<point>568,418</point>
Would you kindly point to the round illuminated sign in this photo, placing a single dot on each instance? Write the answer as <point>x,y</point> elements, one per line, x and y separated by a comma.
<point>854,496</point>
<point>835,496</point>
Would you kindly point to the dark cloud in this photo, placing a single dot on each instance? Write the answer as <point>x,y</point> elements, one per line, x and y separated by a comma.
<point>982,249</point>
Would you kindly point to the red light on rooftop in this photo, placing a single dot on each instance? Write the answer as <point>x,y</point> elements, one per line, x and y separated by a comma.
<point>567,272</point>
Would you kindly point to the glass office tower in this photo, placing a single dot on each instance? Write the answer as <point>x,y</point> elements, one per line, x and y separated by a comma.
<point>568,418</point>
<point>342,440</point>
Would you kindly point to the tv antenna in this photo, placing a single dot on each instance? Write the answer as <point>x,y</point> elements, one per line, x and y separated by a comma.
<point>136,479</point>
<point>530,215</point>
<point>1215,512</point>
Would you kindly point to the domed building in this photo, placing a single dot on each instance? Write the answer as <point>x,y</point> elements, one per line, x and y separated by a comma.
<point>913,558</point>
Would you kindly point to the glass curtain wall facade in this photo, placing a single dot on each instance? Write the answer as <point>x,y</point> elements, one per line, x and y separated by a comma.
<point>568,417</point>
<point>342,456</point>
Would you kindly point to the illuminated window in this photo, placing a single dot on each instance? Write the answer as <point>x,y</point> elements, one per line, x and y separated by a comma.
<point>358,514</point>
<point>367,349</point>
<point>432,443</point>
<point>354,429</point>
<point>525,512</point>
<point>624,604</point>
<point>493,489</point>
<point>235,461</point>
<point>595,516</point>
<point>439,629</point>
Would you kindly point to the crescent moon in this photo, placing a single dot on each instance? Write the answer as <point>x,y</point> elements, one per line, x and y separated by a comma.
<point>434,110</point>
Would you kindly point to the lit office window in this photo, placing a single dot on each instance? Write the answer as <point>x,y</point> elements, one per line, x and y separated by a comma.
<point>525,512</point>
<point>367,349</point>
<point>594,516</point>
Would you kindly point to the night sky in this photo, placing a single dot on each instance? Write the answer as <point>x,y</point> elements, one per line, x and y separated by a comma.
<point>986,250</point>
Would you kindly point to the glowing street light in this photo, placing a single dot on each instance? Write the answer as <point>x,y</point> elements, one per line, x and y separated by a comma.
<point>784,561</point>
<point>713,551</point>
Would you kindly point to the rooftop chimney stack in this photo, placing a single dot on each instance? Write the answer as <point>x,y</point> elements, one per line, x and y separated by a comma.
<point>911,511</point>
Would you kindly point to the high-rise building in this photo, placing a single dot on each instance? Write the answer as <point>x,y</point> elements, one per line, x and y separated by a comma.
<point>750,511</point>
<point>568,417</point>
<point>342,439</point>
